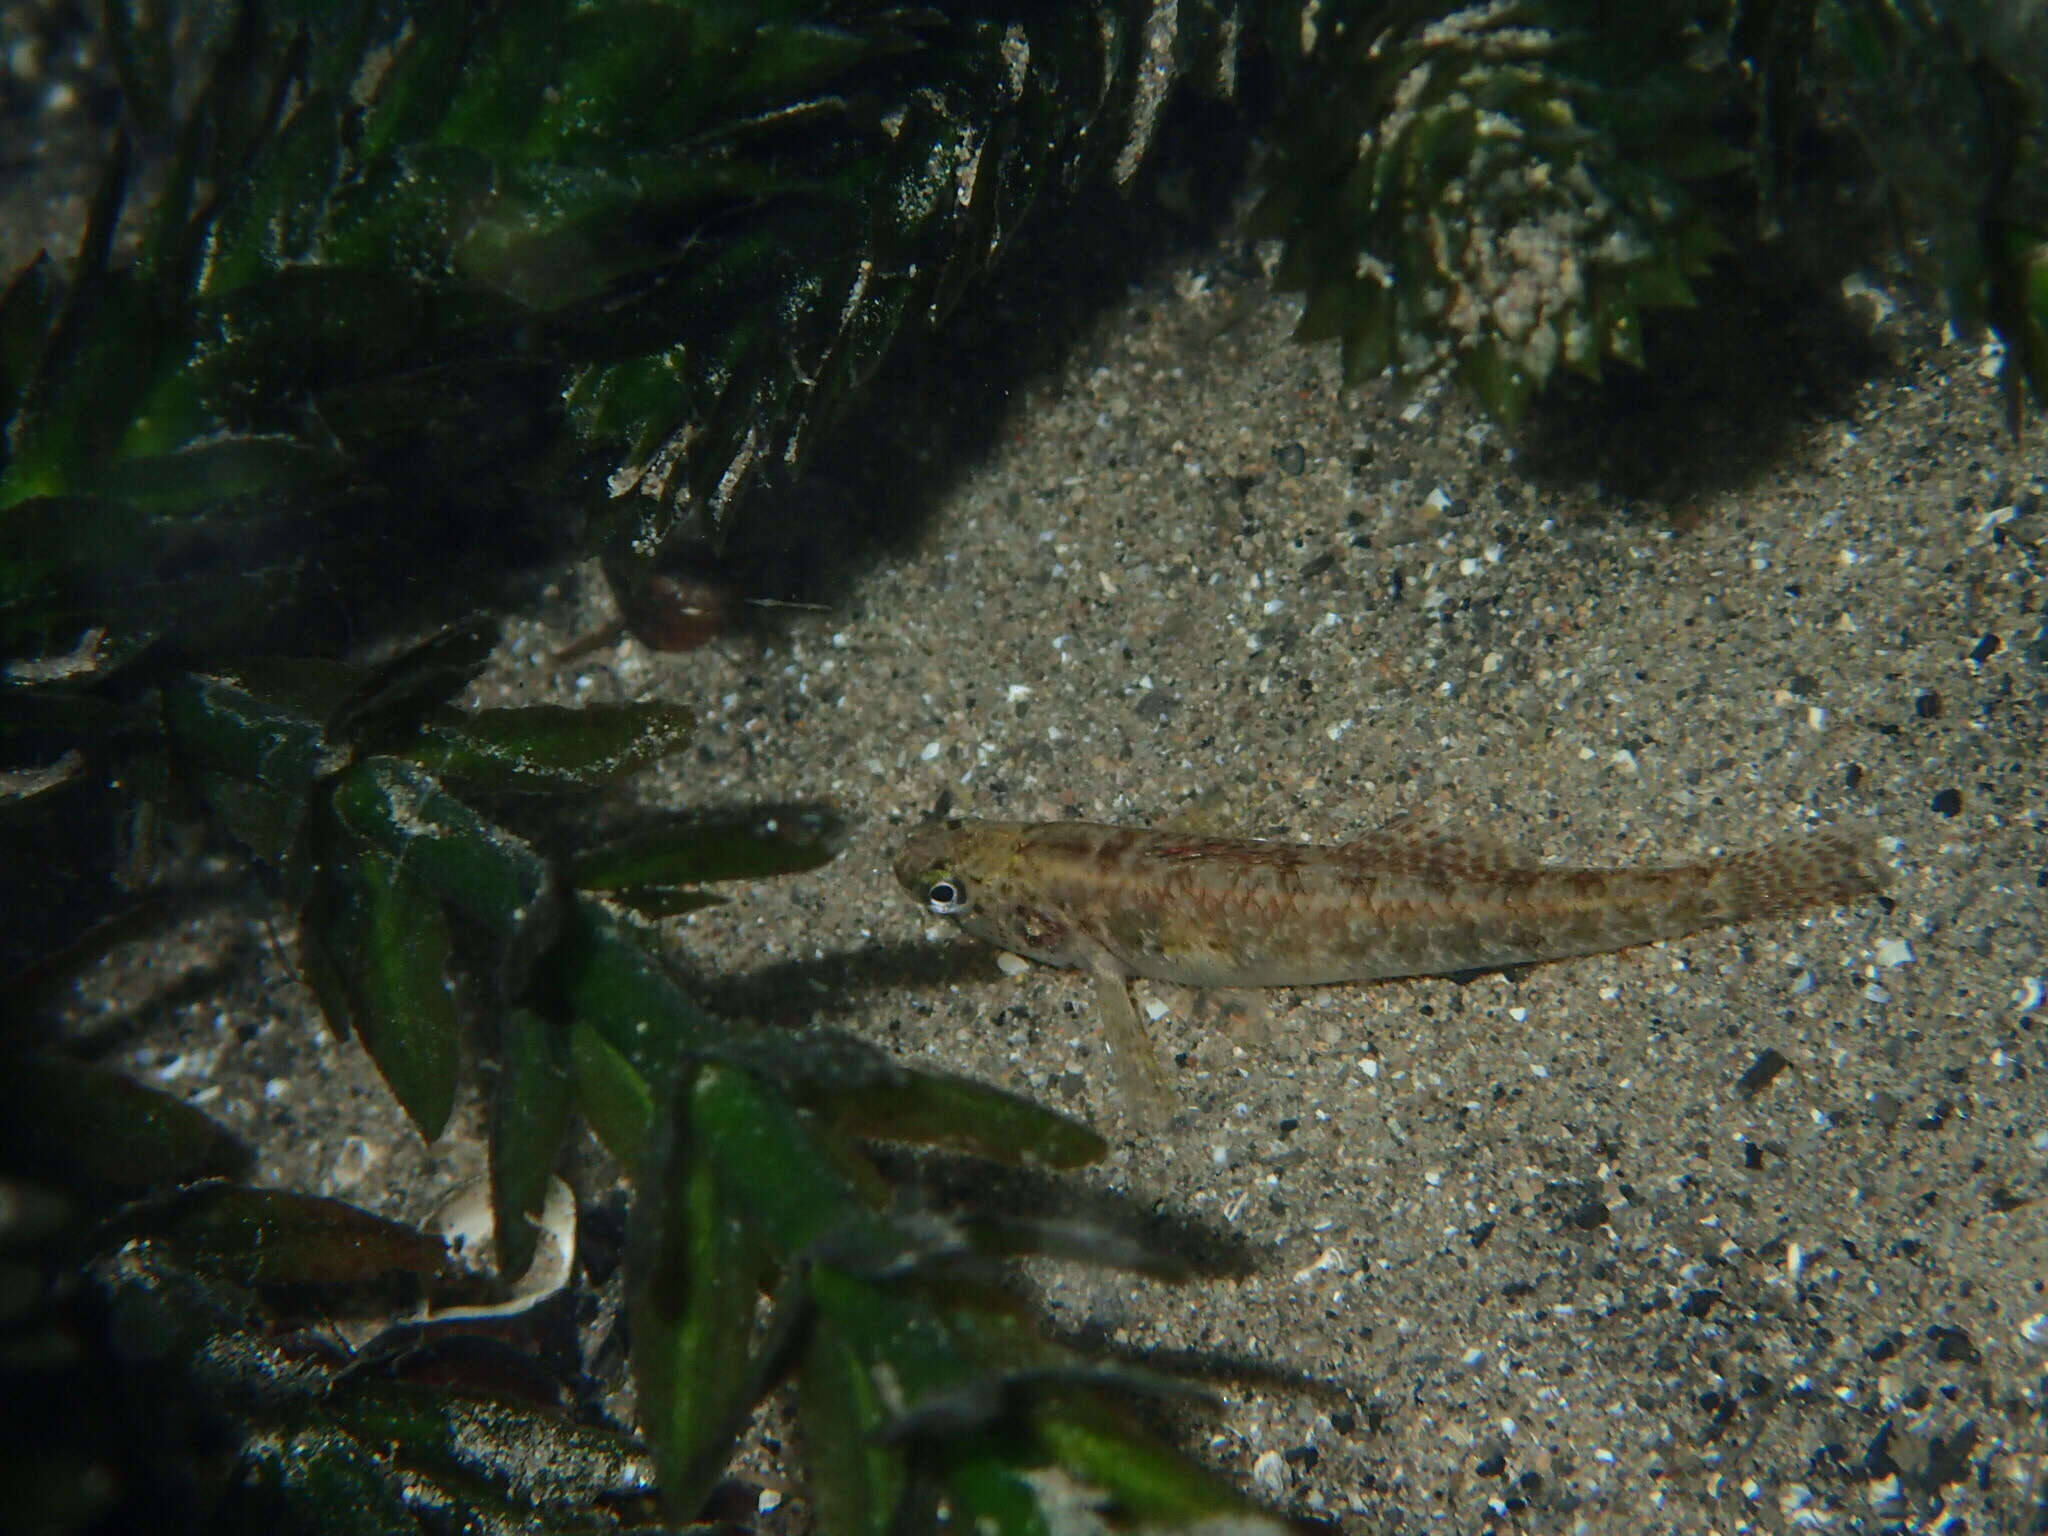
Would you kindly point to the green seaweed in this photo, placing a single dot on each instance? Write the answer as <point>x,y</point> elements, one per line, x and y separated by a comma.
<point>1497,191</point>
<point>741,1140</point>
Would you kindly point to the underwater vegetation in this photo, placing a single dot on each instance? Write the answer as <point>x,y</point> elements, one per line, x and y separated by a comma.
<point>1502,190</point>
<point>359,788</point>
<point>422,294</point>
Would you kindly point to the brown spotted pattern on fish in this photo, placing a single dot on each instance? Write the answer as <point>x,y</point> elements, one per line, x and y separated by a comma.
<point>1402,901</point>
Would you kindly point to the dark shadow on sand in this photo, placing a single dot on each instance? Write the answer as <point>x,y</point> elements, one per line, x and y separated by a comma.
<point>795,992</point>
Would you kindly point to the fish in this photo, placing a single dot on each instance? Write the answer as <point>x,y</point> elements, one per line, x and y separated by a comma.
<point>1409,899</point>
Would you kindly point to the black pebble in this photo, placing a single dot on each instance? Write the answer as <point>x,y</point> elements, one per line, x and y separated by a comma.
<point>1927,704</point>
<point>1768,1064</point>
<point>1949,802</point>
<point>1953,1344</point>
<point>1590,1215</point>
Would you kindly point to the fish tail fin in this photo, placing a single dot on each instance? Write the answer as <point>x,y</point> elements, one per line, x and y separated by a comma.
<point>1826,869</point>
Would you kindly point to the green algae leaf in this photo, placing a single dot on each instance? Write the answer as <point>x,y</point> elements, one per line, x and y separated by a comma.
<point>255,748</point>
<point>797,1188</point>
<point>747,1187</point>
<point>1495,191</point>
<point>600,975</point>
<point>693,1270</point>
<point>309,690</point>
<point>857,1478</point>
<point>547,748</point>
<point>199,475</point>
<point>981,1407</point>
<point>991,1493</point>
<point>275,1237</point>
<point>529,1123</point>
<point>79,1124</point>
<point>867,1098</point>
<point>391,700</point>
<point>988,1326</point>
<point>1143,1481</point>
<point>475,865</point>
<point>956,1362</point>
<point>302,1436</point>
<point>755,844</point>
<point>406,1018</point>
<point>615,1099</point>
<point>858,1088</point>
<point>603,977</point>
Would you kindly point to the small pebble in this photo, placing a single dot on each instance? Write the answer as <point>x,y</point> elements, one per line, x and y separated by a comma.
<point>1270,1472</point>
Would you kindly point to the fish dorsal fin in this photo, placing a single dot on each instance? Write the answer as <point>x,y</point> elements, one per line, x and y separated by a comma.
<point>1415,846</point>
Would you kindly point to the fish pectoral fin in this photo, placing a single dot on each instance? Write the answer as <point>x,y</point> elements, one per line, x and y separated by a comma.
<point>1141,1077</point>
<point>1417,846</point>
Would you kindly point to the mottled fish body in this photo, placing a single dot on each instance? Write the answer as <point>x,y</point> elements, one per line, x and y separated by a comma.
<point>1402,901</point>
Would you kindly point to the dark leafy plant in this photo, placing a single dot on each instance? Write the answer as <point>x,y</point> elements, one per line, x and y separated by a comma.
<point>393,241</point>
<point>547,269</point>
<point>1498,190</point>
<point>168,1362</point>
<point>1952,102</point>
<point>344,780</point>
<point>614,248</point>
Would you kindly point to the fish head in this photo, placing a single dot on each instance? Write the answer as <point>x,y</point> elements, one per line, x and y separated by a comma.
<point>980,875</point>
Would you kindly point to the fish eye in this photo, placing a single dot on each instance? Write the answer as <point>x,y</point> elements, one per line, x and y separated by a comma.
<point>946,896</point>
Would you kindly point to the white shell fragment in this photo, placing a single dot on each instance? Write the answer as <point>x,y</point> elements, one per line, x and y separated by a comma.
<point>465,1221</point>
